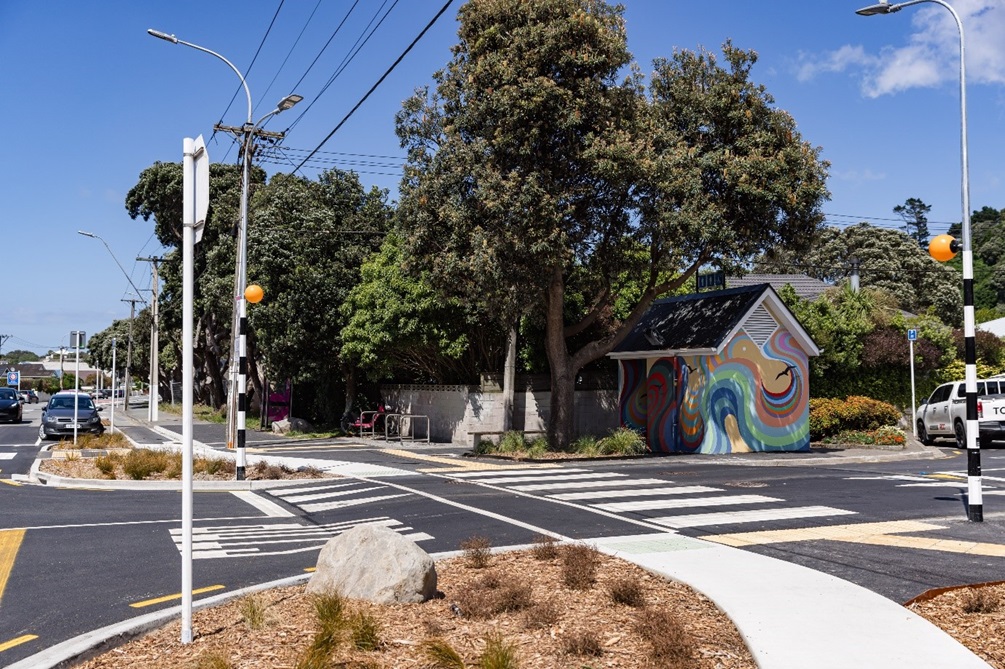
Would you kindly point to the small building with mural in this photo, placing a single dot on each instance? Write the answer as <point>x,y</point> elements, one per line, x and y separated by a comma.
<point>717,372</point>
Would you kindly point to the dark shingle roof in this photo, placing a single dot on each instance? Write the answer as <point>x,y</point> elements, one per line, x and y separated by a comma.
<point>696,321</point>
<point>806,287</point>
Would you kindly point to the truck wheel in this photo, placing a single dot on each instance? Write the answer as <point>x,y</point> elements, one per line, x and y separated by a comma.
<point>923,434</point>
<point>961,434</point>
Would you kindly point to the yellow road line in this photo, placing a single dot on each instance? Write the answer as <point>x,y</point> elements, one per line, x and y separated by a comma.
<point>7,645</point>
<point>168,598</point>
<point>9,482</point>
<point>855,532</point>
<point>10,543</point>
<point>310,569</point>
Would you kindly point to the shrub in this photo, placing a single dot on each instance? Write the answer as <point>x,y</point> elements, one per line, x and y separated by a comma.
<point>542,614</point>
<point>263,470</point>
<point>582,643</point>
<point>212,659</point>
<point>545,547</point>
<point>664,632</point>
<point>141,463</point>
<point>477,551</point>
<point>213,466</point>
<point>622,441</point>
<point>830,416</point>
<point>627,591</point>
<point>579,566</point>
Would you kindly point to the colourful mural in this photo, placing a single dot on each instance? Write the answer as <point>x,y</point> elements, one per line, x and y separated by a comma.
<point>748,398</point>
<point>632,400</point>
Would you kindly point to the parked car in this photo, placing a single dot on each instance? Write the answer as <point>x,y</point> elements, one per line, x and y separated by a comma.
<point>944,413</point>
<point>10,405</point>
<point>58,414</point>
<point>29,396</point>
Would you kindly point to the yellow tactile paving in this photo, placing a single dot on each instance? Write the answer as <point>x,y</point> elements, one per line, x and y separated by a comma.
<point>10,544</point>
<point>943,545</point>
<point>463,465</point>
<point>850,532</point>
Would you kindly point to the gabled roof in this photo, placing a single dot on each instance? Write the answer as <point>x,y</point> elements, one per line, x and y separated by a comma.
<point>806,287</point>
<point>703,323</point>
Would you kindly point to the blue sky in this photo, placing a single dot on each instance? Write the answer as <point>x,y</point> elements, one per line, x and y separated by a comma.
<point>90,100</point>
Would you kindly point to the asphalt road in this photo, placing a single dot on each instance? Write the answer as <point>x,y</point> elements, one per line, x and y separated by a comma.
<point>89,558</point>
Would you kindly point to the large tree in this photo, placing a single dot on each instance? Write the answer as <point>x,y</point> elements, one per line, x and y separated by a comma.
<point>914,213</point>
<point>534,173</point>
<point>888,259</point>
<point>305,247</point>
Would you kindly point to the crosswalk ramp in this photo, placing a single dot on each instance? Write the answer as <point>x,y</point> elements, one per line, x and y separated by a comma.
<point>282,538</point>
<point>657,501</point>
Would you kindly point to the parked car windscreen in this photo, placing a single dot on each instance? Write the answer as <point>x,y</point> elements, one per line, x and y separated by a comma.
<point>66,402</point>
<point>8,394</point>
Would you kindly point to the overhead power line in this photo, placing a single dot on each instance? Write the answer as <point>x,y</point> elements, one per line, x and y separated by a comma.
<point>379,81</point>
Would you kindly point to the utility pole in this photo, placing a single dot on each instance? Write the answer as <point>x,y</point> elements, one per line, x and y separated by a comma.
<point>237,399</point>
<point>129,355</point>
<point>3,339</point>
<point>153,412</point>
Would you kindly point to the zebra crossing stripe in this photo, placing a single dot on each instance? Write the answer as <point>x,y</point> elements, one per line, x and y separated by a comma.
<point>283,492</point>
<point>550,477</point>
<point>587,484</point>
<point>327,495</point>
<point>751,516</point>
<point>8,456</point>
<point>515,472</point>
<point>685,503</point>
<point>270,509</point>
<point>328,506</point>
<point>645,492</point>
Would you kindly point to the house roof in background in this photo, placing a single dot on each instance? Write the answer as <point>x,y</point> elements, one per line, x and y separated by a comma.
<point>702,323</point>
<point>995,327</point>
<point>806,287</point>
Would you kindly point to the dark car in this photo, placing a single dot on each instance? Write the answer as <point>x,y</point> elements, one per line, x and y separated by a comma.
<point>58,414</point>
<point>10,405</point>
<point>29,396</point>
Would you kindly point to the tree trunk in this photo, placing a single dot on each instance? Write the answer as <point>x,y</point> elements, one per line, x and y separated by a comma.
<point>349,374</point>
<point>563,377</point>
<point>509,380</point>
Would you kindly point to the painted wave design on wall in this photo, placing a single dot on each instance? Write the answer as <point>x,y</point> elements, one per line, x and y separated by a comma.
<point>692,423</point>
<point>633,395</point>
<point>662,406</point>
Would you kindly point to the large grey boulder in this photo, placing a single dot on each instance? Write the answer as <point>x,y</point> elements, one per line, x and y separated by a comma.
<point>374,563</point>
<point>294,424</point>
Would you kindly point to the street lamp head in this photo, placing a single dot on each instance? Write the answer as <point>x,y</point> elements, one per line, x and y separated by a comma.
<point>881,8</point>
<point>164,36</point>
<point>87,234</point>
<point>289,101</point>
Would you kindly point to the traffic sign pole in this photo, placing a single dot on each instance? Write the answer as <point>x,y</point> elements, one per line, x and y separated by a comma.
<point>911,336</point>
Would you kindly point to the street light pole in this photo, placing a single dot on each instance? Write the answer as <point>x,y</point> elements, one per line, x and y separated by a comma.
<point>975,506</point>
<point>237,400</point>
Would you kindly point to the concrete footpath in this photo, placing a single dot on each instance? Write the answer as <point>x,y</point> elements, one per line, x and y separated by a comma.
<point>791,617</point>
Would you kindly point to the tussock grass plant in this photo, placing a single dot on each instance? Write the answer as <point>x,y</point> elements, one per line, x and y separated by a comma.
<point>212,659</point>
<point>544,547</point>
<point>582,643</point>
<point>579,566</point>
<point>253,609</point>
<point>622,441</point>
<point>477,551</point>
<point>499,654</point>
<point>442,654</point>
<point>107,464</point>
<point>980,600</point>
<point>668,642</point>
<point>142,462</point>
<point>627,591</point>
<point>365,632</point>
<point>72,456</point>
<point>330,615</point>
<point>263,470</point>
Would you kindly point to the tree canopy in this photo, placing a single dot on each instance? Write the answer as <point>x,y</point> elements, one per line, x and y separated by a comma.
<point>534,174</point>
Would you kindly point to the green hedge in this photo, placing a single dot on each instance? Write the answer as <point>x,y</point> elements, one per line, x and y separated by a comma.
<point>830,416</point>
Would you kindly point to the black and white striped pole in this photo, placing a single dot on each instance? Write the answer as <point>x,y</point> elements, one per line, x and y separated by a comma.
<point>945,247</point>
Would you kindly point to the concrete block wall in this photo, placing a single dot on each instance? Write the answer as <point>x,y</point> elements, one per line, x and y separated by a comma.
<point>455,411</point>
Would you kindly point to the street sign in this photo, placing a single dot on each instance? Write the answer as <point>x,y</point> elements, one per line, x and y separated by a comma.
<point>13,377</point>
<point>912,335</point>
<point>201,186</point>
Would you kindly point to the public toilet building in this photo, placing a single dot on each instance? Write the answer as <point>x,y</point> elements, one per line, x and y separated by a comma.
<point>717,372</point>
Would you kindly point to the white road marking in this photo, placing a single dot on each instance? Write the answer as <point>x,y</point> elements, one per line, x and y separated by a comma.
<point>512,472</point>
<point>296,499</point>
<point>750,516</point>
<point>328,506</point>
<point>550,477</point>
<point>644,492</point>
<point>587,484</point>
<point>296,490</point>
<point>8,456</point>
<point>685,503</point>
<point>270,509</point>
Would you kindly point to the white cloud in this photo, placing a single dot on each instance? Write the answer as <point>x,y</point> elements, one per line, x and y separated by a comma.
<point>932,55</point>
<point>856,176</point>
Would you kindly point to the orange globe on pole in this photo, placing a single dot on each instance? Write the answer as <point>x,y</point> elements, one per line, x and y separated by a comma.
<point>943,248</point>
<point>254,293</point>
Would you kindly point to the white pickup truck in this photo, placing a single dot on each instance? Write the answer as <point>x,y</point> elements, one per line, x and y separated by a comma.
<point>944,413</point>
